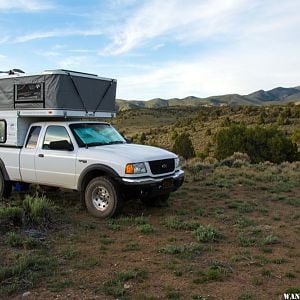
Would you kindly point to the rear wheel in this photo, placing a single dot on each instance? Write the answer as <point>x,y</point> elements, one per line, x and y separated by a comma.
<point>102,198</point>
<point>158,201</point>
<point>5,187</point>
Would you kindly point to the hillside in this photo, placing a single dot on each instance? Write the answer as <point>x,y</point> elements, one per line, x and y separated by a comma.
<point>160,125</point>
<point>277,95</point>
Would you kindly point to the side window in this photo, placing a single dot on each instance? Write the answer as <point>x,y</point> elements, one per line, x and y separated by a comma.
<point>57,138</point>
<point>33,137</point>
<point>2,131</point>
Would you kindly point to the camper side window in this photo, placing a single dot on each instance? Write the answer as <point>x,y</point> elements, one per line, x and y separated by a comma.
<point>2,131</point>
<point>33,137</point>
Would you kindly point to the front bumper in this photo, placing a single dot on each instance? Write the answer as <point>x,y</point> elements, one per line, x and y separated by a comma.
<point>149,186</point>
<point>177,176</point>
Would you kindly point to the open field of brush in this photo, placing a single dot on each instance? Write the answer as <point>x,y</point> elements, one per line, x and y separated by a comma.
<point>231,232</point>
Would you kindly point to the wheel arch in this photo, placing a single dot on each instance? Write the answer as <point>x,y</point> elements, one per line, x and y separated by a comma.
<point>93,171</point>
<point>3,170</point>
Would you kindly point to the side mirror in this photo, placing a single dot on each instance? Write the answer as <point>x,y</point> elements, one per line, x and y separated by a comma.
<point>128,140</point>
<point>61,145</point>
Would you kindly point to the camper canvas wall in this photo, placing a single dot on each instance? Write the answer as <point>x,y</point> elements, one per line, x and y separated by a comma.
<point>58,90</point>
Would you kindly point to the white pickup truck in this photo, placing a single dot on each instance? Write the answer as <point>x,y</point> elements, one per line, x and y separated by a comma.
<point>94,159</point>
<point>50,134</point>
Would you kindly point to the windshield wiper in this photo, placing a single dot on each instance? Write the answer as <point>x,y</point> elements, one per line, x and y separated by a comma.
<point>94,144</point>
<point>116,142</point>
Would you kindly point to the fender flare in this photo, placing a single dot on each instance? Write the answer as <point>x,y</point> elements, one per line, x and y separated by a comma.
<point>3,170</point>
<point>96,167</point>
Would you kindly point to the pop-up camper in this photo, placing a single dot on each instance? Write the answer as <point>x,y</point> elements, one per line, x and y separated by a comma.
<point>57,94</point>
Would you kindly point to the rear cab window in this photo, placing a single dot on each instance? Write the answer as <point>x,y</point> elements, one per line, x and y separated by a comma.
<point>33,137</point>
<point>2,131</point>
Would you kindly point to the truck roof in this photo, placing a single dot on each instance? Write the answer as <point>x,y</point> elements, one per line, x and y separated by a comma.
<point>67,122</point>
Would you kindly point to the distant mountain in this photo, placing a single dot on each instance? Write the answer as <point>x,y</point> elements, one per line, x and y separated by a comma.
<point>277,95</point>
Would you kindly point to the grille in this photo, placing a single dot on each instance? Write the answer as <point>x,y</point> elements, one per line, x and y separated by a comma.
<point>162,166</point>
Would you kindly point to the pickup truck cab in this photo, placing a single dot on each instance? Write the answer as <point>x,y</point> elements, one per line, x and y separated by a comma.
<point>92,158</point>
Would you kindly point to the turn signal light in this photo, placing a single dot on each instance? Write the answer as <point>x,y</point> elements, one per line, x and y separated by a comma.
<point>129,169</point>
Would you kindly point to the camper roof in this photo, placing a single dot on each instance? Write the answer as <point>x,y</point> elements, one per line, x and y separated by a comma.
<point>57,72</point>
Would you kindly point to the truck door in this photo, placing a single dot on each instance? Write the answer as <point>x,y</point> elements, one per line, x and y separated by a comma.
<point>27,156</point>
<point>55,158</point>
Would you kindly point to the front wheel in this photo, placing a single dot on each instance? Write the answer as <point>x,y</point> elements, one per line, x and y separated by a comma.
<point>102,198</point>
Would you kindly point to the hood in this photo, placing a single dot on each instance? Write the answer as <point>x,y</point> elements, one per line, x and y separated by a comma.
<point>129,152</point>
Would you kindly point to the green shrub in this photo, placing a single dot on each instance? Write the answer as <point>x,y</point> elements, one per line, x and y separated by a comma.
<point>11,215</point>
<point>260,143</point>
<point>216,272</point>
<point>188,250</point>
<point>271,239</point>
<point>246,296</point>
<point>174,222</point>
<point>18,241</point>
<point>14,239</point>
<point>183,146</point>
<point>207,233</point>
<point>115,286</point>
<point>145,228</point>
<point>236,160</point>
<point>143,138</point>
<point>296,136</point>
<point>246,241</point>
<point>37,211</point>
<point>25,272</point>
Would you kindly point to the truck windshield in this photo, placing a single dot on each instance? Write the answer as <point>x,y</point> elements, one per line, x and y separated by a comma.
<point>96,134</point>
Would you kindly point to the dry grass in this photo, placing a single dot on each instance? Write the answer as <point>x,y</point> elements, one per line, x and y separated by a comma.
<point>217,239</point>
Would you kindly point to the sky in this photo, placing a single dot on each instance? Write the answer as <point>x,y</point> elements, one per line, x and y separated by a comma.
<point>156,48</point>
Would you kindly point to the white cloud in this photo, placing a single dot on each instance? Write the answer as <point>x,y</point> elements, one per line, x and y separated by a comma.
<point>4,39</point>
<point>258,48</point>
<point>56,33</point>
<point>235,70</point>
<point>73,62</point>
<point>176,18</point>
<point>238,46</point>
<point>157,46</point>
<point>25,5</point>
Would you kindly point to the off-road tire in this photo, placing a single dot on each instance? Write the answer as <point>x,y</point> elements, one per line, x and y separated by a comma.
<point>5,187</point>
<point>158,201</point>
<point>102,198</point>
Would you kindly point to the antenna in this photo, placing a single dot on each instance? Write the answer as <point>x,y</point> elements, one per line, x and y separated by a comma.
<point>13,72</point>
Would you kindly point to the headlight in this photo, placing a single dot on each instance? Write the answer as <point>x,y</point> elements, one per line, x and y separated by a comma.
<point>177,162</point>
<point>137,168</point>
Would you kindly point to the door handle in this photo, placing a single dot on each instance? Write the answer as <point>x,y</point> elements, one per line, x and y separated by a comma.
<point>40,155</point>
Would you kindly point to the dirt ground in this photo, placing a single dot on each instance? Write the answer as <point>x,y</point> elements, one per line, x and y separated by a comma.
<point>228,233</point>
